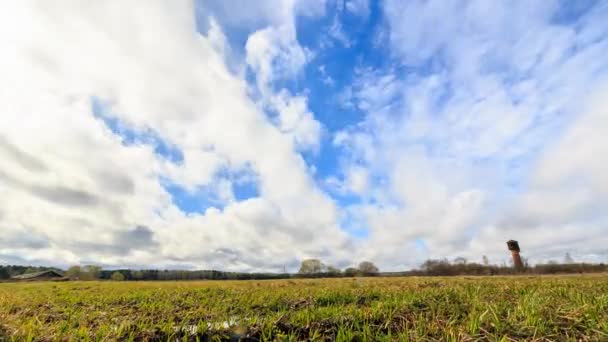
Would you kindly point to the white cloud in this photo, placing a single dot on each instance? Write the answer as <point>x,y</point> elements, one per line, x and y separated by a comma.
<point>489,89</point>
<point>483,127</point>
<point>358,7</point>
<point>562,207</point>
<point>84,191</point>
<point>245,14</point>
<point>296,120</point>
<point>274,54</point>
<point>336,31</point>
<point>357,180</point>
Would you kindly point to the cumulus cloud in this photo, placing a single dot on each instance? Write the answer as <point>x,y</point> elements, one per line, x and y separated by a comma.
<point>83,187</point>
<point>475,128</point>
<point>274,54</point>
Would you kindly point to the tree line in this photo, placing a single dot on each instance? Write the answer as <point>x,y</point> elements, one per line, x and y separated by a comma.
<point>310,268</point>
<point>93,272</point>
<point>460,266</point>
<point>314,268</point>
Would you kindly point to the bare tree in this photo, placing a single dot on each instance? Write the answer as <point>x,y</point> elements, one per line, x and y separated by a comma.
<point>333,270</point>
<point>460,261</point>
<point>568,259</point>
<point>311,266</point>
<point>351,272</point>
<point>368,268</point>
<point>485,261</point>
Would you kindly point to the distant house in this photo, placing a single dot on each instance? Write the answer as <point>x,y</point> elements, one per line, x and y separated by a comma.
<point>44,275</point>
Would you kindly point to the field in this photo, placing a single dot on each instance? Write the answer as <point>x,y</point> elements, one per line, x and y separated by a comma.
<point>347,309</point>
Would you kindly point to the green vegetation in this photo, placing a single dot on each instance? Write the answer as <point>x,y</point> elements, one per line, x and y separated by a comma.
<point>87,272</point>
<point>313,268</point>
<point>117,276</point>
<point>342,309</point>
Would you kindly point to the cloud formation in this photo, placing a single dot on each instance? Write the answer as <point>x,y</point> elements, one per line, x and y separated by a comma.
<point>488,110</point>
<point>205,134</point>
<point>71,178</point>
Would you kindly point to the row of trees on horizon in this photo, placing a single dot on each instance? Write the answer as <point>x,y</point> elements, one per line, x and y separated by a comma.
<point>315,268</point>
<point>311,267</point>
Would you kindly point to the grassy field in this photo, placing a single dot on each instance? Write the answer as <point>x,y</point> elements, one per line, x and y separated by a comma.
<point>361,309</point>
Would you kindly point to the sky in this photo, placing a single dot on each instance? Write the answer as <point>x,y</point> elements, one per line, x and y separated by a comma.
<point>250,135</point>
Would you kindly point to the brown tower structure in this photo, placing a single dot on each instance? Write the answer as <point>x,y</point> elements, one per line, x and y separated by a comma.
<point>514,248</point>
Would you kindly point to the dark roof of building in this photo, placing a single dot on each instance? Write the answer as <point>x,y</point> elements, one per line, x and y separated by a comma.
<point>45,274</point>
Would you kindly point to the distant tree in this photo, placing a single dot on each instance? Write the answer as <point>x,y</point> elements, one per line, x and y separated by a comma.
<point>137,275</point>
<point>428,264</point>
<point>117,276</point>
<point>31,270</point>
<point>568,259</point>
<point>74,272</point>
<point>368,268</point>
<point>351,272</point>
<point>311,266</point>
<point>437,267</point>
<point>91,271</point>
<point>485,261</point>
<point>333,270</point>
<point>460,261</point>
<point>88,272</point>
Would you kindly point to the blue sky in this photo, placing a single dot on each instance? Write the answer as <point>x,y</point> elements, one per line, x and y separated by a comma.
<point>250,135</point>
<point>324,80</point>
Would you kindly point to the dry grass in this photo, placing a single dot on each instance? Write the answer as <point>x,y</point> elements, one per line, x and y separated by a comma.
<point>362,309</point>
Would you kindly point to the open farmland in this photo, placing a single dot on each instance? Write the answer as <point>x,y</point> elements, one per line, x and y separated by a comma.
<point>362,309</point>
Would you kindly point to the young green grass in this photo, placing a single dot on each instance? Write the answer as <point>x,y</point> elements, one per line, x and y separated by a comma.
<point>363,309</point>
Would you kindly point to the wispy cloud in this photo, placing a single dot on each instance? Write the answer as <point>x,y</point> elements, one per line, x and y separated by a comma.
<point>485,90</point>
